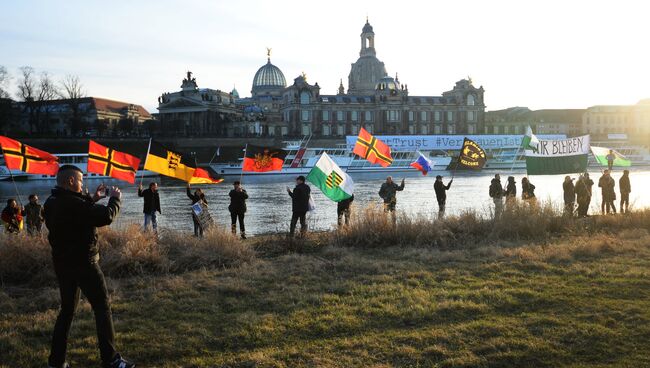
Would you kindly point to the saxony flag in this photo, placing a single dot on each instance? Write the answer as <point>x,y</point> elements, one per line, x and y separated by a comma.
<point>108,162</point>
<point>19,156</point>
<point>372,149</point>
<point>530,141</point>
<point>331,180</point>
<point>601,153</point>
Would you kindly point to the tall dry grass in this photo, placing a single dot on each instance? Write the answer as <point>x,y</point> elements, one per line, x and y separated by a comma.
<point>125,252</point>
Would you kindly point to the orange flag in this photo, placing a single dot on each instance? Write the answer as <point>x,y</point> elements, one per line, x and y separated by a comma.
<point>28,159</point>
<point>372,149</point>
<point>108,162</point>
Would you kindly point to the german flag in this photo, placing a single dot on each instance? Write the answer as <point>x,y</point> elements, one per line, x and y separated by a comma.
<point>372,149</point>
<point>170,163</point>
<point>28,159</point>
<point>202,176</point>
<point>261,159</point>
<point>108,162</point>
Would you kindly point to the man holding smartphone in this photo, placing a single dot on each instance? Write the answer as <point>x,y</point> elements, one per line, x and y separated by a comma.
<point>72,219</point>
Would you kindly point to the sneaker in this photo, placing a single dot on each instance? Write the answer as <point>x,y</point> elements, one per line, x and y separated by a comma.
<point>118,362</point>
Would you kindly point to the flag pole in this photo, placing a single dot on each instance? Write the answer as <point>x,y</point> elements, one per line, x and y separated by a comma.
<point>15,187</point>
<point>241,175</point>
<point>145,163</point>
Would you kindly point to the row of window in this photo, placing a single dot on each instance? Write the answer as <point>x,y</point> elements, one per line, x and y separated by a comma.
<point>339,129</point>
<point>391,115</point>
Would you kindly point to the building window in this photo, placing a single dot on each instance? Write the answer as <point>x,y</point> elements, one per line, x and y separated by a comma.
<point>451,129</point>
<point>393,115</point>
<point>284,130</point>
<point>411,128</point>
<point>326,115</point>
<point>471,129</point>
<point>369,127</point>
<point>436,115</point>
<point>424,129</point>
<point>340,129</point>
<point>470,116</point>
<point>450,115</point>
<point>327,130</point>
<point>306,129</point>
<point>437,129</point>
<point>305,115</point>
<point>304,97</point>
<point>355,129</point>
<point>354,115</point>
<point>339,116</point>
<point>368,116</point>
<point>411,115</point>
<point>470,100</point>
<point>423,116</point>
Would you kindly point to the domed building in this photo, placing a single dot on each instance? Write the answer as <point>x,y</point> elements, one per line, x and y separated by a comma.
<point>268,79</point>
<point>367,70</point>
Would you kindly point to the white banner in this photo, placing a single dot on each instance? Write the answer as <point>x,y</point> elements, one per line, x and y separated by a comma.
<point>561,147</point>
<point>449,142</point>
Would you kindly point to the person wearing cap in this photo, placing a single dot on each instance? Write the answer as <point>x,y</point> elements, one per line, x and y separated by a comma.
<point>441,194</point>
<point>569,195</point>
<point>625,188</point>
<point>511,191</point>
<point>299,205</point>
<point>388,192</point>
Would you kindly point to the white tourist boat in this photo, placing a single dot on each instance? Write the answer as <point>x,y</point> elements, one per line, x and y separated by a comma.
<point>79,160</point>
<point>300,160</point>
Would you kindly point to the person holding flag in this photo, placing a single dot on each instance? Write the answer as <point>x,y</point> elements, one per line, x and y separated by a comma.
<point>441,194</point>
<point>388,192</point>
<point>335,183</point>
<point>197,196</point>
<point>151,205</point>
<point>299,206</point>
<point>12,216</point>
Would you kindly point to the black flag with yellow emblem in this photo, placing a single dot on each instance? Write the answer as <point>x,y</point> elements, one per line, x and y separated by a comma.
<point>166,162</point>
<point>472,156</point>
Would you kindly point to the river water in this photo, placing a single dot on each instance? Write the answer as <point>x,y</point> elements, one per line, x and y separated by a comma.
<point>269,206</point>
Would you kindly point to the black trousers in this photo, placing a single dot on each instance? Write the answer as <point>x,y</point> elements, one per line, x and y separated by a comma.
<point>343,214</point>
<point>441,205</point>
<point>302,216</point>
<point>88,278</point>
<point>198,229</point>
<point>233,220</point>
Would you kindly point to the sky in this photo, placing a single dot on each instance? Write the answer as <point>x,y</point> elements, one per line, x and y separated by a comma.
<point>539,54</point>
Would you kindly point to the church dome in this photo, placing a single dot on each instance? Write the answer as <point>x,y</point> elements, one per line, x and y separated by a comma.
<point>234,92</point>
<point>367,28</point>
<point>388,83</point>
<point>267,76</point>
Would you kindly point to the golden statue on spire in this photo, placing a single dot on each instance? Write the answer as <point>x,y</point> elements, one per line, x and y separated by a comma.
<point>268,52</point>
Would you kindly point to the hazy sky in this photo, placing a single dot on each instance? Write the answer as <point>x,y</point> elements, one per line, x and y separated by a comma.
<point>540,54</point>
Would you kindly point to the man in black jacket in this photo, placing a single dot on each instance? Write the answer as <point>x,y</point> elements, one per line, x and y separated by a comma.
<point>237,208</point>
<point>343,210</point>
<point>72,219</point>
<point>441,194</point>
<point>625,188</point>
<point>496,193</point>
<point>299,205</point>
<point>196,197</point>
<point>151,205</point>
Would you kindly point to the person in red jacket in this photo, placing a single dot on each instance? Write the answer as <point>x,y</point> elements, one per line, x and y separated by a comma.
<point>12,216</point>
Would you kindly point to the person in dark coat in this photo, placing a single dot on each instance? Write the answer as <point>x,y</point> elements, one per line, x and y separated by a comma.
<point>299,205</point>
<point>496,193</point>
<point>607,184</point>
<point>569,195</point>
<point>527,190</point>
<point>12,216</point>
<point>388,192</point>
<point>441,194</point>
<point>343,210</point>
<point>583,189</point>
<point>72,219</point>
<point>34,215</point>
<point>151,205</point>
<point>625,188</point>
<point>237,208</point>
<point>197,196</point>
<point>511,191</point>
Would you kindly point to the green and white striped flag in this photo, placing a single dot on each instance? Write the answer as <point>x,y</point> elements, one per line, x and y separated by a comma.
<point>530,141</point>
<point>331,180</point>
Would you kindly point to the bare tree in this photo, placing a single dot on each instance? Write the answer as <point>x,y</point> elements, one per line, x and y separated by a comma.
<point>27,92</point>
<point>4,82</point>
<point>72,90</point>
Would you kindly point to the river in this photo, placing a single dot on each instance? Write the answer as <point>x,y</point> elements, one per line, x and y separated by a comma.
<point>269,206</point>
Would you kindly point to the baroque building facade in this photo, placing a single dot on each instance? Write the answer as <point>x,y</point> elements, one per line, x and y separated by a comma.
<point>374,100</point>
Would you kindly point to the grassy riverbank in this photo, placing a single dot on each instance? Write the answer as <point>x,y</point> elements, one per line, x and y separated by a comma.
<point>530,290</point>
